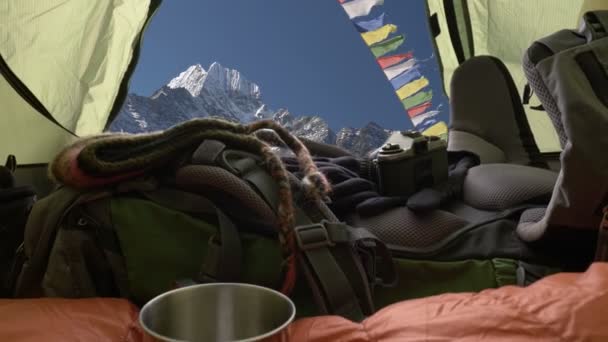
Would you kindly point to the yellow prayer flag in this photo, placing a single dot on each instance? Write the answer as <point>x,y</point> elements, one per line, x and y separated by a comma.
<point>412,88</point>
<point>379,34</point>
<point>439,129</point>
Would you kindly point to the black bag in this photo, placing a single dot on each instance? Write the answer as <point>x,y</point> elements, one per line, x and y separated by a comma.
<point>15,205</point>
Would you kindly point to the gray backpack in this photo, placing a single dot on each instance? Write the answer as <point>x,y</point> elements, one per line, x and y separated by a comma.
<point>568,71</point>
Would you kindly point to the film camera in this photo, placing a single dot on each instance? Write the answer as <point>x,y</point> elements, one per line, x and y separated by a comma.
<point>409,162</point>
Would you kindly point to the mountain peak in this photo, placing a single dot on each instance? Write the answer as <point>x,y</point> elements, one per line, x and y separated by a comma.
<point>216,65</point>
<point>230,81</point>
<point>216,79</point>
<point>191,79</point>
<point>226,93</point>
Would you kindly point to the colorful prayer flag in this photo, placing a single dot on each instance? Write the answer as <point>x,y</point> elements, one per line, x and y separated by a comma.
<point>370,25</point>
<point>401,69</point>
<point>406,77</point>
<point>417,120</point>
<point>438,129</point>
<point>359,8</point>
<point>387,46</point>
<point>415,111</point>
<point>388,61</point>
<point>412,87</point>
<point>417,99</point>
<point>378,35</point>
<point>427,123</point>
<point>397,69</point>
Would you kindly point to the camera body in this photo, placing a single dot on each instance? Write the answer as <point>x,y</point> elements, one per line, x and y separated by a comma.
<point>409,162</point>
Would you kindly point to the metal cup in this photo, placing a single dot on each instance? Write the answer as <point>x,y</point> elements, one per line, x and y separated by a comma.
<point>217,312</point>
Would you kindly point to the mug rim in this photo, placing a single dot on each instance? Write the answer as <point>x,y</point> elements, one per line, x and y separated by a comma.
<point>192,287</point>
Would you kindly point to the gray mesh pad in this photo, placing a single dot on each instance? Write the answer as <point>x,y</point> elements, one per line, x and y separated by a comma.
<point>400,226</point>
<point>503,186</point>
<point>203,178</point>
<point>543,94</point>
<point>467,212</point>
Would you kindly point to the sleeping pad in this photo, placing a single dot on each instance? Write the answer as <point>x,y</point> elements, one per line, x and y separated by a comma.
<point>560,307</point>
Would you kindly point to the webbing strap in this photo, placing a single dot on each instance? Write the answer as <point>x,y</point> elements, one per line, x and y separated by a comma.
<point>596,25</point>
<point>330,266</point>
<point>223,260</point>
<point>326,276</point>
<point>379,260</point>
<point>601,252</point>
<point>328,259</point>
<point>207,152</point>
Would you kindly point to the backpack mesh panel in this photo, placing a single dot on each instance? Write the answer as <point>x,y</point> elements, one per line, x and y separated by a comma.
<point>502,186</point>
<point>228,191</point>
<point>401,226</point>
<point>543,94</point>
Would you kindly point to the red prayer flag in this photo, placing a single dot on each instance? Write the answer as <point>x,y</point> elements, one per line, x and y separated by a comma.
<point>388,61</point>
<point>419,109</point>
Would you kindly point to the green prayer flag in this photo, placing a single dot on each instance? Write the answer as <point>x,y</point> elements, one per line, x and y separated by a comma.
<point>421,97</point>
<point>386,46</point>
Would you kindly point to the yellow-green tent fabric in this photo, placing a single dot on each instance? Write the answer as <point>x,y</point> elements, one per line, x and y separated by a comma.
<point>504,29</point>
<point>74,57</point>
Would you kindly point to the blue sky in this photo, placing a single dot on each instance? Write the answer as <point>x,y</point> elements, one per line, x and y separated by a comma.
<point>305,55</point>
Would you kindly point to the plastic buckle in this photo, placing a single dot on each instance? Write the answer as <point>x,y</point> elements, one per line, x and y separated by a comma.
<point>312,236</point>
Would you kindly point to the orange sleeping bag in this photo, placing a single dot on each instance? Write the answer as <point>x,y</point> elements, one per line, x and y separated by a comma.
<point>561,307</point>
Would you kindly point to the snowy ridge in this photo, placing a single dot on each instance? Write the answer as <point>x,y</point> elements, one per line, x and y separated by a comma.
<point>227,94</point>
<point>192,79</point>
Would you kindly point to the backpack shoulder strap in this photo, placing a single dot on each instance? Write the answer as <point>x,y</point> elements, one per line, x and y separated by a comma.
<point>340,283</point>
<point>40,231</point>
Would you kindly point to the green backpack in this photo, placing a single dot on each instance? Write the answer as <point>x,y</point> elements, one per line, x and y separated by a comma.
<point>206,212</point>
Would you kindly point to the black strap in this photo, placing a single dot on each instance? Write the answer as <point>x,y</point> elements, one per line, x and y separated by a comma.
<point>539,108</point>
<point>224,256</point>
<point>329,283</point>
<point>7,179</point>
<point>380,261</point>
<point>527,95</point>
<point>27,95</point>
<point>11,163</point>
<point>434,25</point>
<point>337,278</point>
<point>207,152</point>
<point>452,23</point>
<point>334,288</point>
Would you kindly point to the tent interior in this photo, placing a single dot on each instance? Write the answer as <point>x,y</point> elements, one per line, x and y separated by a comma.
<point>94,67</point>
<point>66,68</point>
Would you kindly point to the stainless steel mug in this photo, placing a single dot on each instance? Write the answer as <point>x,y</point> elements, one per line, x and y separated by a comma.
<point>217,312</point>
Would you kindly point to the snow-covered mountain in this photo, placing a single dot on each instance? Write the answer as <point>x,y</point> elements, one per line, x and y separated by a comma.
<point>360,141</point>
<point>226,93</point>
